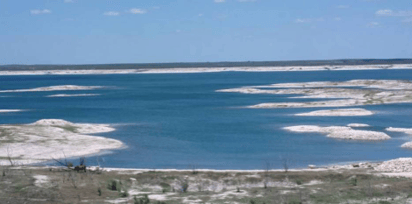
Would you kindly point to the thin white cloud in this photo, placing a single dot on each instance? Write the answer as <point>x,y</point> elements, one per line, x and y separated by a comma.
<point>137,11</point>
<point>220,1</point>
<point>68,1</point>
<point>337,19</point>
<point>246,0</point>
<point>343,6</point>
<point>37,12</point>
<point>111,13</point>
<point>200,14</point>
<point>389,12</point>
<point>308,20</point>
<point>373,24</point>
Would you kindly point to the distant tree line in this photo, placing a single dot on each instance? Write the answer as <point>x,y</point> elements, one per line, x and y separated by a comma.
<point>208,64</point>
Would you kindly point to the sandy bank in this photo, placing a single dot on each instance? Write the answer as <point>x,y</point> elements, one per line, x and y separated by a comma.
<point>10,110</point>
<point>52,138</point>
<point>54,88</point>
<point>358,125</point>
<point>404,130</point>
<point>338,112</point>
<point>408,131</point>
<point>71,95</point>
<point>209,69</point>
<point>340,132</point>
<point>346,93</point>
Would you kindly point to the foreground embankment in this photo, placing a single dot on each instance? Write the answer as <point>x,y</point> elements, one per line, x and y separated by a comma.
<point>384,182</point>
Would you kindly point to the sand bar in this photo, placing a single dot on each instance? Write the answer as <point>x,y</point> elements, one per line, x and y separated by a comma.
<point>340,132</point>
<point>53,138</point>
<point>338,112</point>
<point>71,95</point>
<point>344,94</point>
<point>358,125</point>
<point>10,110</point>
<point>408,131</point>
<point>54,88</point>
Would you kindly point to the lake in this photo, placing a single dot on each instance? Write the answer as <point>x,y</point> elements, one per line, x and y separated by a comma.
<point>179,121</point>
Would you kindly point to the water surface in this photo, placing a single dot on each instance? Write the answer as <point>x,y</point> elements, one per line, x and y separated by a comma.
<point>178,120</point>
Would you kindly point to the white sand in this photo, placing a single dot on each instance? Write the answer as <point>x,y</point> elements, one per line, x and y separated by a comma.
<point>408,131</point>
<point>71,95</point>
<point>42,181</point>
<point>10,110</point>
<point>338,112</point>
<point>211,69</point>
<point>54,88</point>
<point>404,130</point>
<point>347,93</point>
<point>357,125</point>
<point>396,165</point>
<point>53,138</point>
<point>340,132</point>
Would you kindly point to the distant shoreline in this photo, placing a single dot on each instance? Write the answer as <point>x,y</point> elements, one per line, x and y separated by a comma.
<point>59,70</point>
<point>190,65</point>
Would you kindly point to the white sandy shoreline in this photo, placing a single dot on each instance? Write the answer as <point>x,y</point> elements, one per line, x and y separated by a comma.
<point>394,165</point>
<point>208,70</point>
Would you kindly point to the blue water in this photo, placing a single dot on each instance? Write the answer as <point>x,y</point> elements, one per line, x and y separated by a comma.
<point>178,120</point>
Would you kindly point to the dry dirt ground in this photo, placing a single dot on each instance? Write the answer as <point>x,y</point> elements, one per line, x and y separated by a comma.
<point>61,185</point>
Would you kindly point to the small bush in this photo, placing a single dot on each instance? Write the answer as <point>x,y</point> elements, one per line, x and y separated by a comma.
<point>299,182</point>
<point>112,185</point>
<point>185,186</point>
<point>99,191</point>
<point>144,200</point>
<point>384,202</point>
<point>354,182</point>
<point>124,194</point>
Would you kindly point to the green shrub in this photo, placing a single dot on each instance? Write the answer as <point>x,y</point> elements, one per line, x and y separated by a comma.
<point>354,182</point>
<point>124,194</point>
<point>112,185</point>
<point>144,200</point>
<point>299,182</point>
<point>99,191</point>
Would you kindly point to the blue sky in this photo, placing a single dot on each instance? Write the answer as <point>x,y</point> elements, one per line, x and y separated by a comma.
<point>137,31</point>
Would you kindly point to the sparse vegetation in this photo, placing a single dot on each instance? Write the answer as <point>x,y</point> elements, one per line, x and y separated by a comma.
<point>62,185</point>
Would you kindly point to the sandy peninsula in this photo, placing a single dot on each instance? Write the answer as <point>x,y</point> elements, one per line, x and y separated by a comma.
<point>54,88</point>
<point>358,125</point>
<point>344,94</point>
<point>338,112</point>
<point>10,110</point>
<point>70,95</point>
<point>341,132</point>
<point>52,138</point>
<point>408,131</point>
<point>208,70</point>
